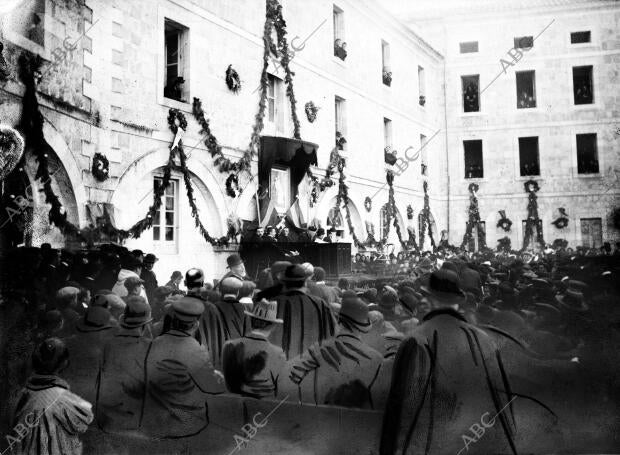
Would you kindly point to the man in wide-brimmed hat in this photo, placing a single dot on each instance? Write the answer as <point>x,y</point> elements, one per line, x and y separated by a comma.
<point>276,270</point>
<point>307,318</point>
<point>459,362</point>
<point>343,370</point>
<point>236,269</point>
<point>120,394</point>
<point>252,365</point>
<point>179,374</point>
<point>150,280</point>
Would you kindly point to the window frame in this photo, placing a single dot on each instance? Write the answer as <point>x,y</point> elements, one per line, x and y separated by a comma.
<point>592,85</point>
<point>533,73</point>
<point>423,155</point>
<point>387,133</point>
<point>338,26</point>
<point>183,59</point>
<point>465,159</point>
<point>461,47</point>
<point>469,76</point>
<point>596,150</point>
<point>589,32</point>
<point>169,246</point>
<point>521,158</point>
<point>590,219</point>
<point>518,39</point>
<point>277,126</point>
<point>421,86</point>
<point>340,118</point>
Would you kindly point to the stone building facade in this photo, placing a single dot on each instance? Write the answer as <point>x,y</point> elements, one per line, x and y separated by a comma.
<point>107,96</point>
<point>564,138</point>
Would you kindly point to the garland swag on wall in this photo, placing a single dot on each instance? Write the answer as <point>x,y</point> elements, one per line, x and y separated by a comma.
<point>273,19</point>
<point>533,221</point>
<point>343,198</point>
<point>411,242</point>
<point>426,221</point>
<point>31,125</point>
<point>389,176</point>
<point>474,219</point>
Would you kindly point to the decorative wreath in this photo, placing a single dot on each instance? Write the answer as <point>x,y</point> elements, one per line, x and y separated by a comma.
<point>409,212</point>
<point>533,184</point>
<point>311,111</point>
<point>176,119</point>
<point>101,167</point>
<point>11,149</point>
<point>473,187</point>
<point>368,204</point>
<point>560,222</point>
<point>232,79</point>
<point>504,222</point>
<point>232,185</point>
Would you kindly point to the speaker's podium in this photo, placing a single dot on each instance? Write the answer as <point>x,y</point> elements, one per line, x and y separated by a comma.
<point>335,258</point>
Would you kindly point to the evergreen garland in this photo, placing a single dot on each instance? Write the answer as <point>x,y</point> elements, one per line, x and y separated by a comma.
<point>474,219</point>
<point>426,222</point>
<point>343,198</point>
<point>411,242</point>
<point>533,221</point>
<point>392,209</point>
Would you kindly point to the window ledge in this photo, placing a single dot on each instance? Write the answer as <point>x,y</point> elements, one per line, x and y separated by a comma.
<point>339,61</point>
<point>475,180</point>
<point>584,107</point>
<point>472,114</point>
<point>180,105</point>
<point>588,176</point>
<point>528,109</point>
<point>525,178</point>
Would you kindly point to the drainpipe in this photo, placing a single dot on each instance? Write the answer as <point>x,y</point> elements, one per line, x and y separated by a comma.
<point>445,112</point>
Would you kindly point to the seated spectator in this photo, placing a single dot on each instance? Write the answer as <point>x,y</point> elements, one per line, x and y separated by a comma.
<point>252,364</point>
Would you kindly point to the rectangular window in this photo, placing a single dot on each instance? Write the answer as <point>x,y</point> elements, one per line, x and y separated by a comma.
<point>526,89</point>
<point>339,43</point>
<point>176,52</point>
<point>468,47</point>
<point>524,42</point>
<point>582,85</point>
<point>387,134</point>
<point>587,154</point>
<point>341,124</point>
<point>422,85</point>
<point>473,159</point>
<point>591,232</point>
<point>423,155</point>
<point>528,156</point>
<point>165,219</point>
<point>385,60</point>
<point>275,106</point>
<point>29,21</point>
<point>471,90</point>
<point>580,37</point>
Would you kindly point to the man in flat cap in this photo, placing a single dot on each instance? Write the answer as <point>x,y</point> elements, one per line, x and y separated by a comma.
<point>179,374</point>
<point>150,280</point>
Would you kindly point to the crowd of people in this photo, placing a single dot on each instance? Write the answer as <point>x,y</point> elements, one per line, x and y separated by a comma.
<point>96,341</point>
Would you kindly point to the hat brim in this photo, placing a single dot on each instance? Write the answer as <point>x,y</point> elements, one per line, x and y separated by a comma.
<point>582,308</point>
<point>444,296</point>
<point>274,321</point>
<point>132,325</point>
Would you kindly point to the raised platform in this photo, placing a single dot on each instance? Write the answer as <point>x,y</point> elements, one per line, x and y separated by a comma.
<point>335,258</point>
